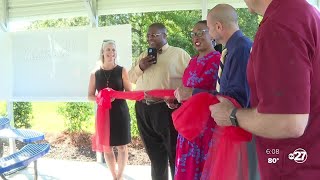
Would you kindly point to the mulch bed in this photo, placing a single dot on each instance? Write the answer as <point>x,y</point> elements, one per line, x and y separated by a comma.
<point>77,146</point>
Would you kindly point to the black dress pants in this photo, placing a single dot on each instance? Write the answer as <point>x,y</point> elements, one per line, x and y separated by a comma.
<point>159,137</point>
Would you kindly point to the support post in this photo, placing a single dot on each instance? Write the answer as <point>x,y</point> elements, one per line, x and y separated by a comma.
<point>91,6</point>
<point>12,143</point>
<point>4,14</point>
<point>204,9</point>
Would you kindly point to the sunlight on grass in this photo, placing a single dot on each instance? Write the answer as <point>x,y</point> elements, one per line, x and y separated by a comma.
<point>47,119</point>
<point>3,108</point>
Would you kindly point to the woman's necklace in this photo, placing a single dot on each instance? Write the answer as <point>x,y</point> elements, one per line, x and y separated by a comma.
<point>107,76</point>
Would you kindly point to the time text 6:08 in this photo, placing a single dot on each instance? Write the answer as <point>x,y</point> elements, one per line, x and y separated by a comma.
<point>272,151</point>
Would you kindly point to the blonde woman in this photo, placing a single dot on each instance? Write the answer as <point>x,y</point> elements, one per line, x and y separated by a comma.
<point>111,75</point>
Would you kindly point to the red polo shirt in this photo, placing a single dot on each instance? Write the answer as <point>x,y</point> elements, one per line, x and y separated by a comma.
<point>284,78</point>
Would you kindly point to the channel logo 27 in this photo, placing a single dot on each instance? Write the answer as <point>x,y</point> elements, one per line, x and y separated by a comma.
<point>299,155</point>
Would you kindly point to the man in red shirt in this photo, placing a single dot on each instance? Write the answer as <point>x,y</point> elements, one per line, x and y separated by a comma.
<point>284,79</point>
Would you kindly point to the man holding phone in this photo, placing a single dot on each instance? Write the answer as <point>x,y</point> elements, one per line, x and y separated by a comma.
<point>153,53</point>
<point>158,68</point>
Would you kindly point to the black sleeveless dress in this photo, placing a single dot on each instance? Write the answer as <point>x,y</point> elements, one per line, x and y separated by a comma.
<point>120,133</point>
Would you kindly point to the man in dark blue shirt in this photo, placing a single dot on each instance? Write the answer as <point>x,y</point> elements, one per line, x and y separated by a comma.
<point>223,27</point>
<point>232,81</point>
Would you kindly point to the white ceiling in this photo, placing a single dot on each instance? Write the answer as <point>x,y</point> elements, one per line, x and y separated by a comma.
<point>12,10</point>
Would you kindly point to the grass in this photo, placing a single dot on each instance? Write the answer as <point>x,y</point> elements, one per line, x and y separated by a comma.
<point>2,108</point>
<point>46,117</point>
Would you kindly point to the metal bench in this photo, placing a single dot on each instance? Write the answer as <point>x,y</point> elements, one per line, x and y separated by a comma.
<point>23,135</point>
<point>4,123</point>
<point>23,157</point>
<point>29,153</point>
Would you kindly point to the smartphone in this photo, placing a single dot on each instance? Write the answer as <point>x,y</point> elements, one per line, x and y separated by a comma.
<point>153,52</point>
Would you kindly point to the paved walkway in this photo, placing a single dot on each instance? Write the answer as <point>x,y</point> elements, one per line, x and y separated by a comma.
<point>51,169</point>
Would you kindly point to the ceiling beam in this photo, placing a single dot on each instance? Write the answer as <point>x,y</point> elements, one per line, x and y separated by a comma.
<point>91,6</point>
<point>4,15</point>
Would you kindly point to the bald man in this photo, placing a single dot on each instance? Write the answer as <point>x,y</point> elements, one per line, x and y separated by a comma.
<point>224,28</point>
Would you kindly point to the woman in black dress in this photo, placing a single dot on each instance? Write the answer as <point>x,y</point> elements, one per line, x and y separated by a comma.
<point>111,75</point>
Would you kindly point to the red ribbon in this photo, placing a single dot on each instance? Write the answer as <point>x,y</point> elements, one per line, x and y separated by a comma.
<point>101,138</point>
<point>227,157</point>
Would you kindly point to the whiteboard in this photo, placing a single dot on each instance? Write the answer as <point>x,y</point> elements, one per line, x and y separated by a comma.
<point>55,65</point>
<point>5,66</point>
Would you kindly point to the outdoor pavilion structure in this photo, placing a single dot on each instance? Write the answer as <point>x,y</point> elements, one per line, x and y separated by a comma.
<point>31,10</point>
<point>28,10</point>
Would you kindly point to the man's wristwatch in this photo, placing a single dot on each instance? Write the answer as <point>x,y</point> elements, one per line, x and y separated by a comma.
<point>233,118</point>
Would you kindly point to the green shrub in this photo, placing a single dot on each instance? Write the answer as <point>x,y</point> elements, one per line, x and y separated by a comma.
<point>76,115</point>
<point>134,126</point>
<point>22,113</point>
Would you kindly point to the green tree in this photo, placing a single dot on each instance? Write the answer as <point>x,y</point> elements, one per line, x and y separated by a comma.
<point>134,126</point>
<point>248,22</point>
<point>178,23</point>
<point>22,114</point>
<point>77,115</point>
<point>59,23</point>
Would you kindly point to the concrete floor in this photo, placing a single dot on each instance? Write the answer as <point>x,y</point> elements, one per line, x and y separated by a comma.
<point>51,169</point>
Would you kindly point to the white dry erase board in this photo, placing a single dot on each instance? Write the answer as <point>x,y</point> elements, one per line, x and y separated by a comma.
<point>55,65</point>
<point>5,66</point>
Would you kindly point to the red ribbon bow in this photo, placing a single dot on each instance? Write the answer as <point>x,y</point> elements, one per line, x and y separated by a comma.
<point>101,138</point>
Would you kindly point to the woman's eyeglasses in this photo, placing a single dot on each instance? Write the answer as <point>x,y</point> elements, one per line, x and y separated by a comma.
<point>198,33</point>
